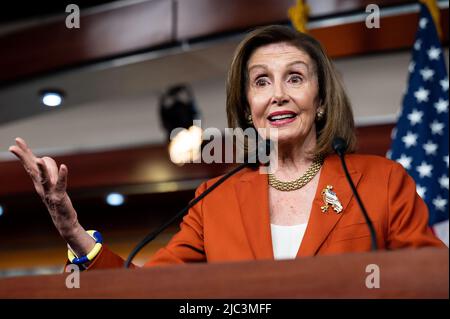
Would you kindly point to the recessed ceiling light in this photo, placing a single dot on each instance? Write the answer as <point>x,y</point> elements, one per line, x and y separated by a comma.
<point>51,98</point>
<point>115,199</point>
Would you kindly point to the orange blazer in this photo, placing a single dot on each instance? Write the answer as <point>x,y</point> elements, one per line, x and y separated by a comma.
<point>233,222</point>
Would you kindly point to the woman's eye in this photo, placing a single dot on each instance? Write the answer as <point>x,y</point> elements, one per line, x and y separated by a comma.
<point>261,82</point>
<point>295,79</point>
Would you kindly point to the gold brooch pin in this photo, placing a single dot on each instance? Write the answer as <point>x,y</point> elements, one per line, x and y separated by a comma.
<point>330,198</point>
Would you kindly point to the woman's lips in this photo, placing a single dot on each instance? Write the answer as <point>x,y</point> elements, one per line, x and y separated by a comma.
<point>281,118</point>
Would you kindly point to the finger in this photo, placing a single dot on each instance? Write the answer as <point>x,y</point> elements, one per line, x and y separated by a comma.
<point>24,146</point>
<point>16,150</point>
<point>44,179</point>
<point>21,143</point>
<point>29,166</point>
<point>28,155</point>
<point>61,184</point>
<point>52,169</point>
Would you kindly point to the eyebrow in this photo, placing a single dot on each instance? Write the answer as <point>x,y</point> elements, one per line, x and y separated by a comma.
<point>289,64</point>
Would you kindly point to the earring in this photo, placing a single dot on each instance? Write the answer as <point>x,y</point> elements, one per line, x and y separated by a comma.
<point>249,119</point>
<point>319,115</point>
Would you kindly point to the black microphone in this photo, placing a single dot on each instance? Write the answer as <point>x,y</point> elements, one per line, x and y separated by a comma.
<point>340,146</point>
<point>251,161</point>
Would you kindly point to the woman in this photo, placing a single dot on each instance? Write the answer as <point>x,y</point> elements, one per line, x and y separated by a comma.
<point>278,79</point>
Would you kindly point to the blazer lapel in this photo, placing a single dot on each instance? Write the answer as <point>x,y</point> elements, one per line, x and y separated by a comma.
<point>253,196</point>
<point>252,193</point>
<point>320,224</point>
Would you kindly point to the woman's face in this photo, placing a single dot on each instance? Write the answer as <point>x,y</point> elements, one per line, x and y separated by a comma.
<point>282,91</point>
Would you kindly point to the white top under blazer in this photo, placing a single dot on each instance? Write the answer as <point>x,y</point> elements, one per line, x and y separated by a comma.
<point>286,240</point>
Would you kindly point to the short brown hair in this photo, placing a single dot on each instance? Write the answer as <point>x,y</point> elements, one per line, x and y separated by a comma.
<point>338,120</point>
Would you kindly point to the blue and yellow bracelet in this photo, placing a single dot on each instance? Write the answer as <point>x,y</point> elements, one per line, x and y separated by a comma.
<point>92,254</point>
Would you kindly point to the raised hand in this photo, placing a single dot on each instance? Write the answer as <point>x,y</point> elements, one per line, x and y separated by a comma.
<point>50,183</point>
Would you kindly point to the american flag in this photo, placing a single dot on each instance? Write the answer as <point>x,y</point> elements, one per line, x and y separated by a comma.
<point>420,138</point>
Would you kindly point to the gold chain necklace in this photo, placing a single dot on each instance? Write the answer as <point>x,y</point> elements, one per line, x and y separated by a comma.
<point>299,182</point>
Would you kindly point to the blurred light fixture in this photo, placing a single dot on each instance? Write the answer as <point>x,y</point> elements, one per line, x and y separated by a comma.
<point>1,210</point>
<point>52,98</point>
<point>178,111</point>
<point>115,199</point>
<point>185,147</point>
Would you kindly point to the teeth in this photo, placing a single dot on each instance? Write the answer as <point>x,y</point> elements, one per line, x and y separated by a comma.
<point>280,117</point>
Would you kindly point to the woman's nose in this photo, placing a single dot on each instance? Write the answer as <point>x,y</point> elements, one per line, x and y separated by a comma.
<point>279,95</point>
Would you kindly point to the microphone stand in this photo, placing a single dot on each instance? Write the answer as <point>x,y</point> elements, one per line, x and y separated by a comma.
<point>155,233</point>
<point>339,146</point>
